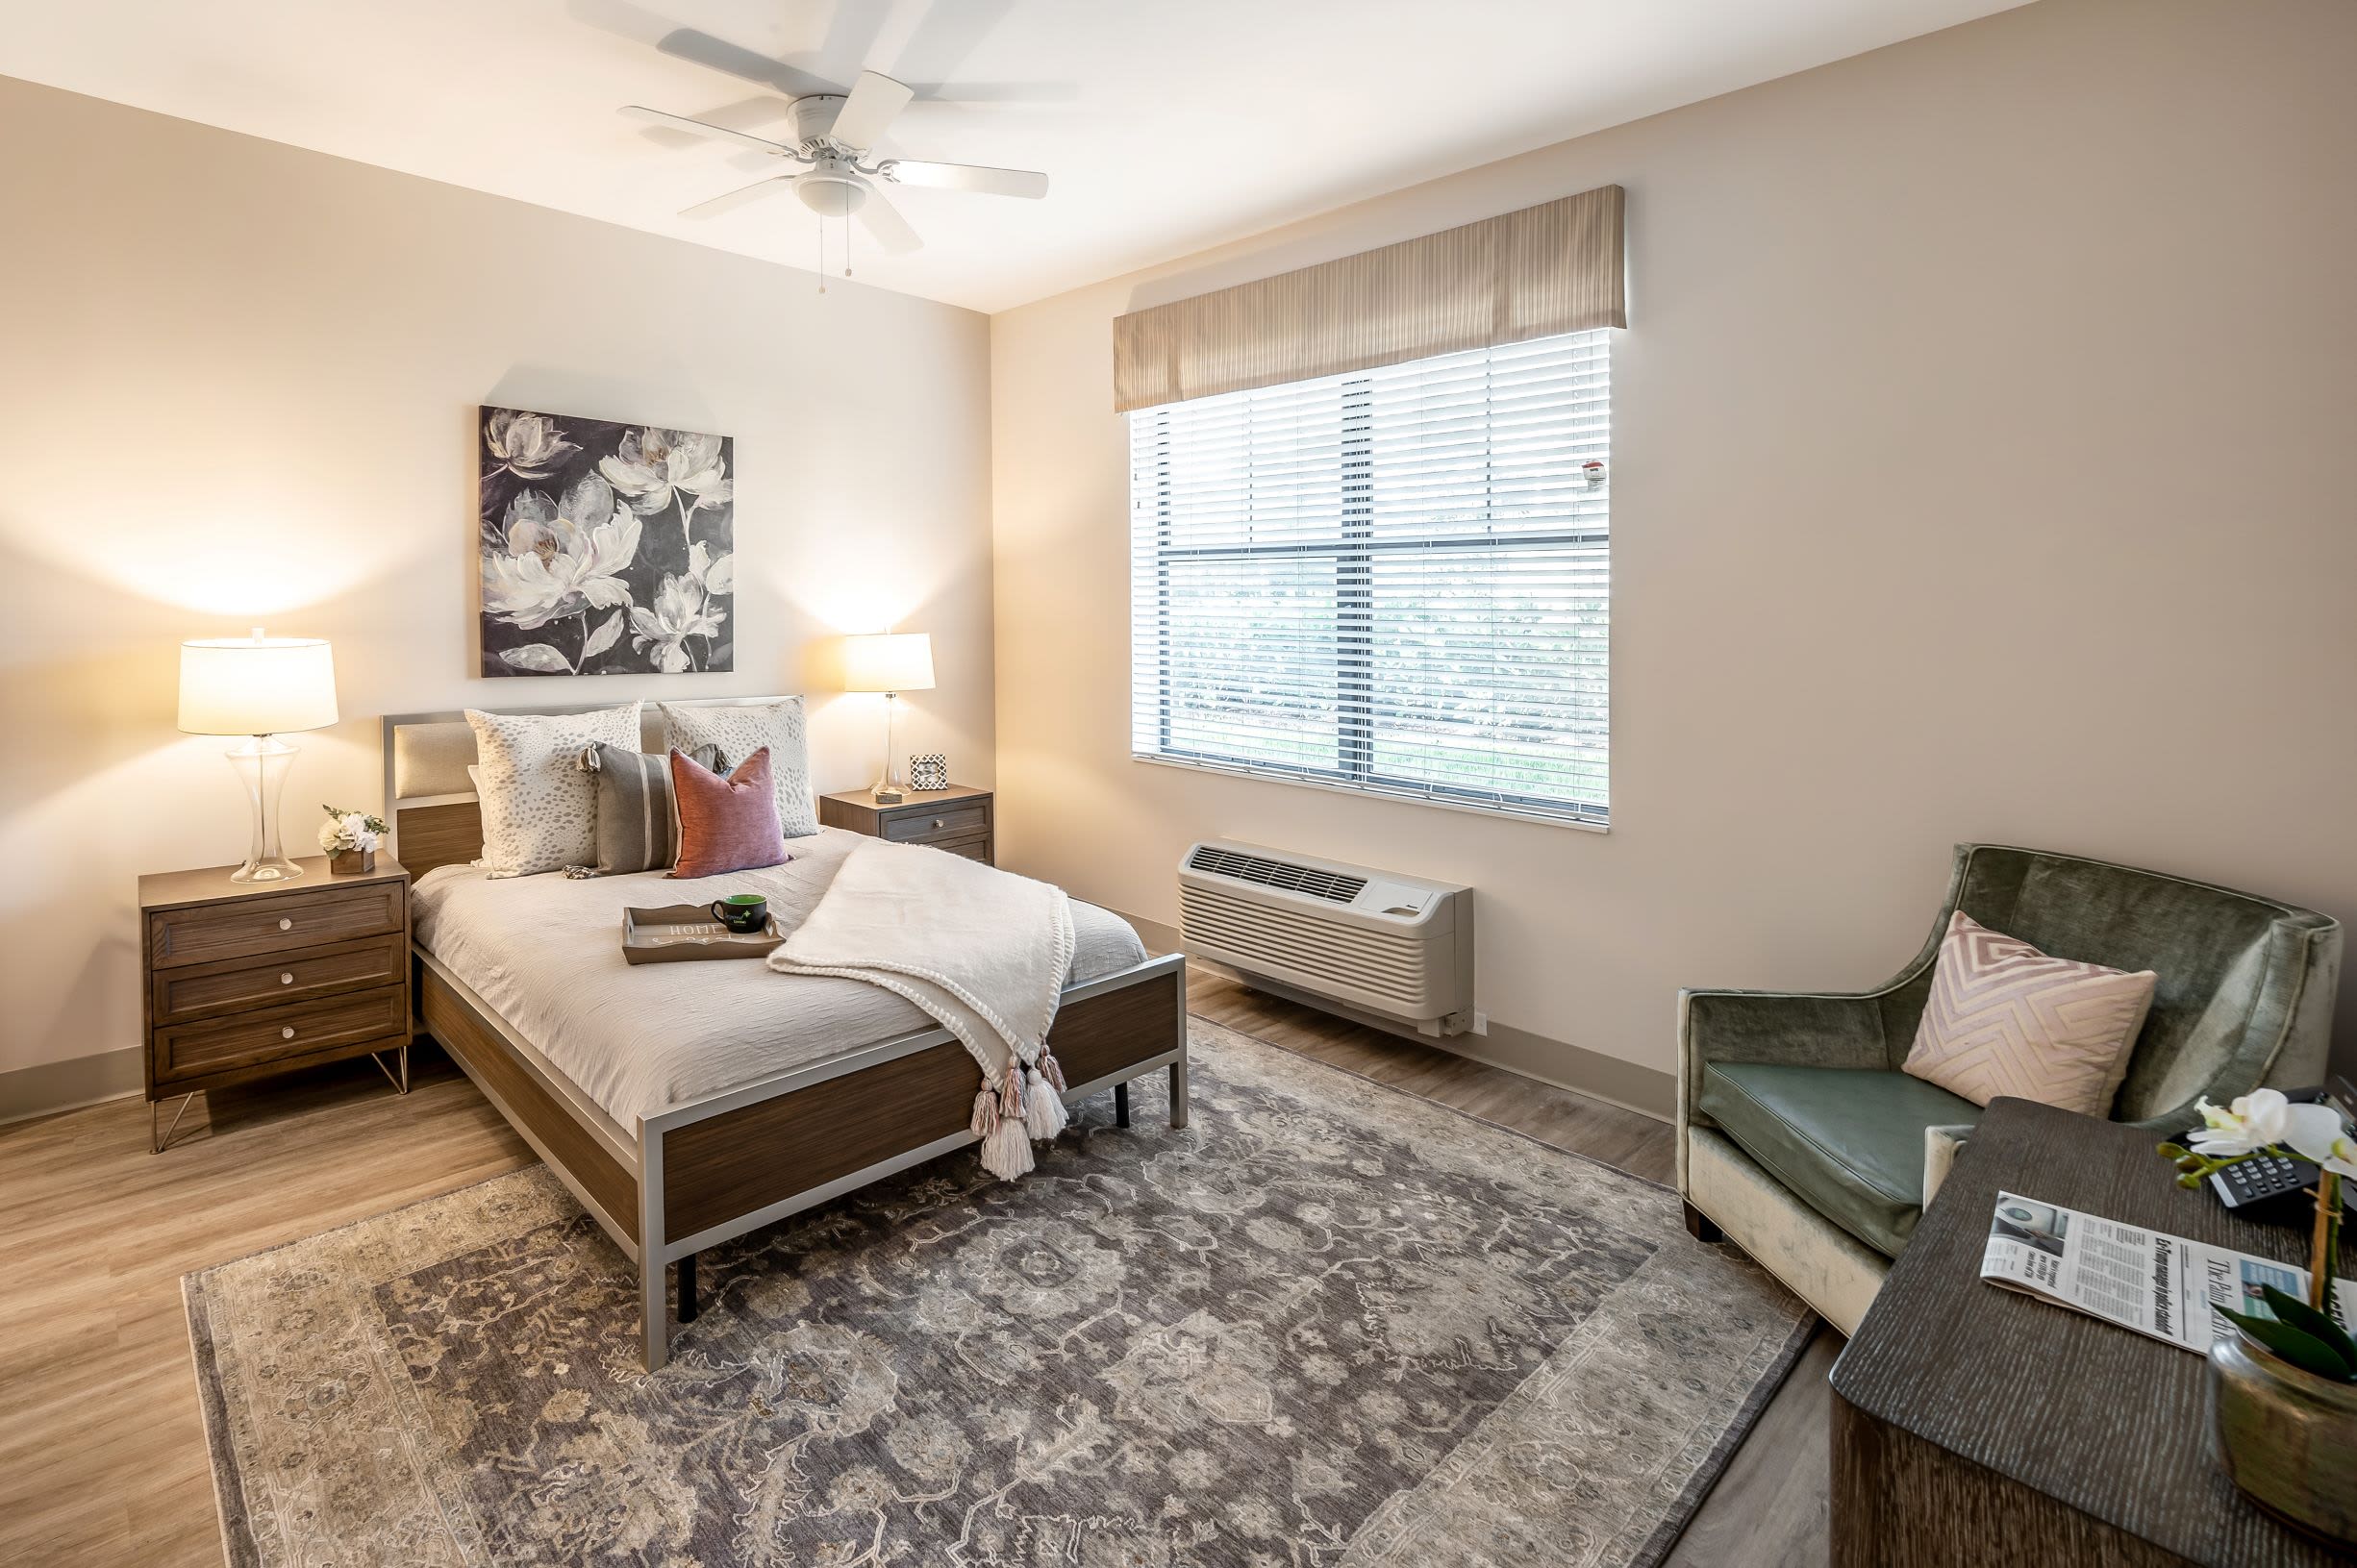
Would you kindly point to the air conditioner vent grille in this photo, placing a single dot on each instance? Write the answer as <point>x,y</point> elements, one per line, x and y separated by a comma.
<point>1331,885</point>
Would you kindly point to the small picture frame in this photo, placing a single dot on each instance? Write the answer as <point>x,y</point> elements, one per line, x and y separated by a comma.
<point>928,771</point>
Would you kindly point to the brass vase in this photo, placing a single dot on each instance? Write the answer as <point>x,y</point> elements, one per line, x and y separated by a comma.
<point>2287,1437</point>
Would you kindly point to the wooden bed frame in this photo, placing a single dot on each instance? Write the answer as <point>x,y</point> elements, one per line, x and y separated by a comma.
<point>703,1172</point>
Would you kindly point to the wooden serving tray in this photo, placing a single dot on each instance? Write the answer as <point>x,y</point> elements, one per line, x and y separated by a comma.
<point>678,932</point>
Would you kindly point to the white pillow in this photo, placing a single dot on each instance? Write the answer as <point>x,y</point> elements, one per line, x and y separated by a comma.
<point>739,729</point>
<point>540,809</point>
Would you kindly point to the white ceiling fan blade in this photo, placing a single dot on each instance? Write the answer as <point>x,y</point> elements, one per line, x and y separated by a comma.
<point>728,201</point>
<point>875,101</point>
<point>913,171</point>
<point>884,221</point>
<point>697,127</point>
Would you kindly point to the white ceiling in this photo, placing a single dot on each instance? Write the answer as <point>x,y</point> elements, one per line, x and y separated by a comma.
<point>1166,125</point>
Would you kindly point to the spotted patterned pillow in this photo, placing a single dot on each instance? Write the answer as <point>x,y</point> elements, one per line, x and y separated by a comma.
<point>540,809</point>
<point>741,728</point>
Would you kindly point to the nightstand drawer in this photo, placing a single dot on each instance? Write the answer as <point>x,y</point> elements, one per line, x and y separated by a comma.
<point>199,990</point>
<point>300,1029</point>
<point>300,918</point>
<point>973,849</point>
<point>949,822</point>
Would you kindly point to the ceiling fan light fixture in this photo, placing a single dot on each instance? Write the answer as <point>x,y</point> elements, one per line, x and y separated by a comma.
<point>831,193</point>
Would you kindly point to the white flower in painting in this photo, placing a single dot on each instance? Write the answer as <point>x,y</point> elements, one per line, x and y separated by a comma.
<point>714,576</point>
<point>680,611</point>
<point>650,466</point>
<point>559,560</point>
<point>527,446</point>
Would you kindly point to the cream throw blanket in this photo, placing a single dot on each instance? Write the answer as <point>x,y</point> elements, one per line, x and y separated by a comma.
<point>982,950</point>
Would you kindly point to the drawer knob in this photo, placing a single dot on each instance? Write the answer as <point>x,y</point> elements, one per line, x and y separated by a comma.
<point>287,1033</point>
<point>285,924</point>
<point>939,824</point>
<point>286,978</point>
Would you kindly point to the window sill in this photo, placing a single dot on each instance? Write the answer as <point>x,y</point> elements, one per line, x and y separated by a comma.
<point>1465,808</point>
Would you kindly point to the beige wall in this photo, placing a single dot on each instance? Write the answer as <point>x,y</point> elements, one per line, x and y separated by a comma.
<point>237,384</point>
<point>1983,471</point>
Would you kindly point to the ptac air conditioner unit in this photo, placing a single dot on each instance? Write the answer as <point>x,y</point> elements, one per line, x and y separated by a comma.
<point>1398,949</point>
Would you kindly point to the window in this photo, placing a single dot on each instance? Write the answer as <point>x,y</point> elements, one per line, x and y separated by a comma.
<point>1393,580</point>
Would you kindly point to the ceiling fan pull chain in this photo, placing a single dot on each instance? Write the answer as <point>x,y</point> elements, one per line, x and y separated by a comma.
<point>823,256</point>
<point>846,247</point>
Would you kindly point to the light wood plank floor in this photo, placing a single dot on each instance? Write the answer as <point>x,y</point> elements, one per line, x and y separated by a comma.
<point>102,1453</point>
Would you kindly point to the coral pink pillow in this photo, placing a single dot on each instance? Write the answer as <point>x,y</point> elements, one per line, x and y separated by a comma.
<point>725,824</point>
<point>2004,1018</point>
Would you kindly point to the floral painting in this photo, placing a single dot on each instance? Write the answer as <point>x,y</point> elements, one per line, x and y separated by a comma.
<point>606,549</point>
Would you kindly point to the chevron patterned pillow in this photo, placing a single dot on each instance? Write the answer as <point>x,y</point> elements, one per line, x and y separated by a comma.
<point>2004,1018</point>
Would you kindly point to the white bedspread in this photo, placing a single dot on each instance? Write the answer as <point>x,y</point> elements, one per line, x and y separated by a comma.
<point>547,954</point>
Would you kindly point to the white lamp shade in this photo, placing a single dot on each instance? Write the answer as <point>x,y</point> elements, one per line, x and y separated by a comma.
<point>256,685</point>
<point>889,661</point>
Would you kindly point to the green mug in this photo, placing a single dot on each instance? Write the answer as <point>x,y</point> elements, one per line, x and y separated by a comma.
<point>741,912</point>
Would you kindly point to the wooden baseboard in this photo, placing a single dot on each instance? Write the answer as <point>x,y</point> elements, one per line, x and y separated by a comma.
<point>1631,1086</point>
<point>51,1086</point>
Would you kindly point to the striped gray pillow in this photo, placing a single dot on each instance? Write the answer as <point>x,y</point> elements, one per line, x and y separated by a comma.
<point>637,821</point>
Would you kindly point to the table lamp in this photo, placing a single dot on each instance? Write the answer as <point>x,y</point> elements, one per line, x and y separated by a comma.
<point>260,687</point>
<point>890,662</point>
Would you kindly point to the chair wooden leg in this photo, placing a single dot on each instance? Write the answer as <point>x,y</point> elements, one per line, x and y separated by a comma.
<point>1699,1225</point>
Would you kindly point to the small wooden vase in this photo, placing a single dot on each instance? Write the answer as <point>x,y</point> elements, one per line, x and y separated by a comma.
<point>352,862</point>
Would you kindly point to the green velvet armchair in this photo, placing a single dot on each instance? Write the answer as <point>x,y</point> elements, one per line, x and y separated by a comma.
<point>1800,1140</point>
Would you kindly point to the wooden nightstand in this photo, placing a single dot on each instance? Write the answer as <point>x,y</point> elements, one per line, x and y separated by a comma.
<point>246,980</point>
<point>957,819</point>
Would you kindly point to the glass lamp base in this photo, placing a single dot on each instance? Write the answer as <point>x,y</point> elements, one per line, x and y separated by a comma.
<point>887,790</point>
<point>262,765</point>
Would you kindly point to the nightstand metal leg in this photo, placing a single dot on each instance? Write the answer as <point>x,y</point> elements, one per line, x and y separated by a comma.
<point>401,1084</point>
<point>687,1289</point>
<point>1120,1105</point>
<point>1178,1092</point>
<point>156,1141</point>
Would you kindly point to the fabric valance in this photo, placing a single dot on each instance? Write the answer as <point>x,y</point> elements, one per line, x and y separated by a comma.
<point>1546,269</point>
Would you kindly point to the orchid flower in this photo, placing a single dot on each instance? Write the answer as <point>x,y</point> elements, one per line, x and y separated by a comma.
<point>2315,1133</point>
<point>2253,1121</point>
<point>2263,1122</point>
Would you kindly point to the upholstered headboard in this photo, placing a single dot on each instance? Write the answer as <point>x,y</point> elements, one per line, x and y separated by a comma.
<point>430,803</point>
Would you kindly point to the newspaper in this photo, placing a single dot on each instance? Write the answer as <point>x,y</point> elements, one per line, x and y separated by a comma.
<point>2158,1284</point>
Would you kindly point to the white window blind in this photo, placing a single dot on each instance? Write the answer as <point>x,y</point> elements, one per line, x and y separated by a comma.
<point>1394,580</point>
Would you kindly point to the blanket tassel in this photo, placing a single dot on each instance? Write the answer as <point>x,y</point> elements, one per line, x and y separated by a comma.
<point>985,1113</point>
<point>1005,1153</point>
<point>1043,1115</point>
<point>1052,1072</point>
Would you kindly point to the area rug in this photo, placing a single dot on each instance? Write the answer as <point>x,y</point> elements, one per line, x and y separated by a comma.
<point>1329,1324</point>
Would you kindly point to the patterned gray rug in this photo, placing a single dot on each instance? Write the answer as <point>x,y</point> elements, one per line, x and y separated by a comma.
<point>1332,1324</point>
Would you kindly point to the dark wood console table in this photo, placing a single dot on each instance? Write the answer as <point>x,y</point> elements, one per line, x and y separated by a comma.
<point>1975,1426</point>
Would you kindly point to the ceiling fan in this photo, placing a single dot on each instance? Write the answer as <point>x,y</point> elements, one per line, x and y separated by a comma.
<point>834,169</point>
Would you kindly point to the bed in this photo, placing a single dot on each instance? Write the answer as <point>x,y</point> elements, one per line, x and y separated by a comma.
<point>687,1104</point>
